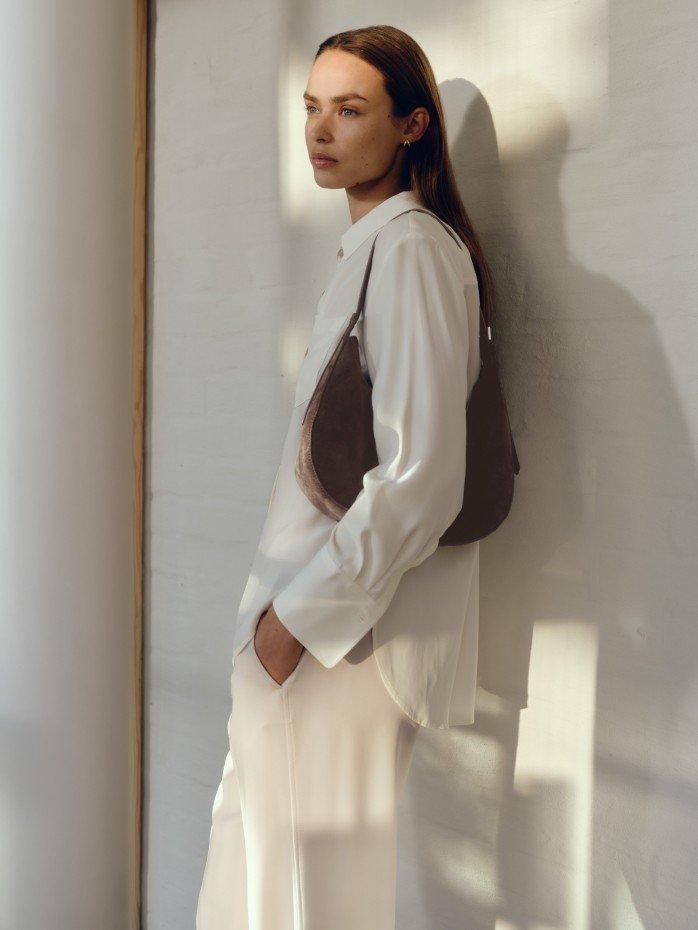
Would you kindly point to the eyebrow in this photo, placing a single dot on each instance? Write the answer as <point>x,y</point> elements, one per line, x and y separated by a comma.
<point>339,99</point>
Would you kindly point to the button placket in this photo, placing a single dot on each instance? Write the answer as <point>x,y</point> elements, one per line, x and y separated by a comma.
<point>322,342</point>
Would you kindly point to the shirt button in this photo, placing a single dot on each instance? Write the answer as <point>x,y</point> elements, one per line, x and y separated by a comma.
<point>340,254</point>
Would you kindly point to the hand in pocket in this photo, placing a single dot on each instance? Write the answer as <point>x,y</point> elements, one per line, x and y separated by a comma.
<point>277,649</point>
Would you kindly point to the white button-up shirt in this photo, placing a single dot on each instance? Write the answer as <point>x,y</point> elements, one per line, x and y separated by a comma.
<point>380,567</point>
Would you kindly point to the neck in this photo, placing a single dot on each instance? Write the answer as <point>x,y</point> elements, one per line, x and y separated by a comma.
<point>362,201</point>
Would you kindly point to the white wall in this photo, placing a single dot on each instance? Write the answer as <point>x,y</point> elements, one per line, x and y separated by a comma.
<point>66,468</point>
<point>572,801</point>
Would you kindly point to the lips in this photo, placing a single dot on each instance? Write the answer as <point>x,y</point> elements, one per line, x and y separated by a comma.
<point>319,158</point>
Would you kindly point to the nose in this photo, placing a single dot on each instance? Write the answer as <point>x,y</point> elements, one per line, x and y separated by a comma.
<point>320,131</point>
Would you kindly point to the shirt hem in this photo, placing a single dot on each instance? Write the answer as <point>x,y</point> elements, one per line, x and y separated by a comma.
<point>423,720</point>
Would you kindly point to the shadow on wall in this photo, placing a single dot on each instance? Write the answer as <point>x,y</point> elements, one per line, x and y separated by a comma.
<point>577,812</point>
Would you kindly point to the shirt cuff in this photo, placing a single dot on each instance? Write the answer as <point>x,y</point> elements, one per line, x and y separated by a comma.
<point>325,610</point>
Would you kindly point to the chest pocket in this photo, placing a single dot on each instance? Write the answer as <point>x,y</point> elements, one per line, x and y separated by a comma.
<point>324,337</point>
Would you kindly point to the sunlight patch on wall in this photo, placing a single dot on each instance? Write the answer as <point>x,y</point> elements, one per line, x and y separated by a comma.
<point>538,66</point>
<point>554,770</point>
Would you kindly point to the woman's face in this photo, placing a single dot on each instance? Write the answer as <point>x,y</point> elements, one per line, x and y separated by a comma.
<point>356,130</point>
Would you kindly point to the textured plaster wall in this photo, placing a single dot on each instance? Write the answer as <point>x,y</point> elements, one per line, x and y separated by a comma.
<point>572,801</point>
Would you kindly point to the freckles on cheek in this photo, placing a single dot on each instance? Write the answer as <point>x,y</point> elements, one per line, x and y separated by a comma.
<point>368,144</point>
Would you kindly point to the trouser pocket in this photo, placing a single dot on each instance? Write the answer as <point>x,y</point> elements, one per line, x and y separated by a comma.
<point>257,662</point>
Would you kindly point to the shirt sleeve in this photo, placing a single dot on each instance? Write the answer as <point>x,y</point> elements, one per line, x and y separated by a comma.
<point>416,490</point>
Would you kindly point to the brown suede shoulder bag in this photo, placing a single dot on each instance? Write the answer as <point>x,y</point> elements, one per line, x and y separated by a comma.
<point>337,444</point>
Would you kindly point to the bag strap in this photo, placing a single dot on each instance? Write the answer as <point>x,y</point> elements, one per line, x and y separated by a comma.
<point>484,325</point>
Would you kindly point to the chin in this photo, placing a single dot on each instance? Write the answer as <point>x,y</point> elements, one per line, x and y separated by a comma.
<point>329,184</point>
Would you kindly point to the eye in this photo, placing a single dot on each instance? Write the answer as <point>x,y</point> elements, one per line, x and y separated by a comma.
<point>308,107</point>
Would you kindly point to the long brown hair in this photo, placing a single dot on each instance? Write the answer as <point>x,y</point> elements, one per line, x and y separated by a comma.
<point>409,82</point>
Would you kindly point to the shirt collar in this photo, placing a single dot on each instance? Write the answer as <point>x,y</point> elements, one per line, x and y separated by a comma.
<point>372,221</point>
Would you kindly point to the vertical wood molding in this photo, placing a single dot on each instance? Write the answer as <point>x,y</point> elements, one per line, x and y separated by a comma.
<point>140,152</point>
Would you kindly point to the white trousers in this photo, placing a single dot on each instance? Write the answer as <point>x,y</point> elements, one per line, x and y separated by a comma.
<point>303,833</point>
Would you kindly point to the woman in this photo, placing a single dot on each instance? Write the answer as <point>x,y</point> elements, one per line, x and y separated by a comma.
<point>353,634</point>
